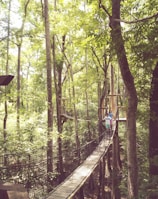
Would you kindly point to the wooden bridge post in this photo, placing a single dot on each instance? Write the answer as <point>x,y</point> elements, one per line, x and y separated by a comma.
<point>91,185</point>
<point>13,191</point>
<point>103,178</point>
<point>108,174</point>
<point>81,193</point>
<point>101,191</point>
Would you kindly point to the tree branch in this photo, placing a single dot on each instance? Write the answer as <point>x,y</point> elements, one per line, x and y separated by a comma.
<point>96,57</point>
<point>103,7</point>
<point>137,20</point>
<point>124,21</point>
<point>65,117</point>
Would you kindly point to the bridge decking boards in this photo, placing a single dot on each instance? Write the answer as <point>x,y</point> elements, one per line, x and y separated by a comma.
<point>77,178</point>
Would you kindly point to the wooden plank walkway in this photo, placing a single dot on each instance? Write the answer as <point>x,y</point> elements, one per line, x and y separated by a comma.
<point>78,177</point>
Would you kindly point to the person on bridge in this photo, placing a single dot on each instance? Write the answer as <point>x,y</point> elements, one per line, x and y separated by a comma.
<point>108,122</point>
<point>110,114</point>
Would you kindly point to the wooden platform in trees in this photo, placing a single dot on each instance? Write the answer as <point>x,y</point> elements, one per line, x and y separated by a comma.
<point>13,191</point>
<point>121,119</point>
<point>74,182</point>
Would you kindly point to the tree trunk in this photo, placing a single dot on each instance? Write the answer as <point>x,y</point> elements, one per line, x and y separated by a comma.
<point>49,96</point>
<point>115,171</point>
<point>87,101</point>
<point>101,97</point>
<point>76,121</point>
<point>58,90</point>
<point>18,90</point>
<point>5,103</point>
<point>102,92</point>
<point>132,99</point>
<point>19,37</point>
<point>112,92</point>
<point>153,125</point>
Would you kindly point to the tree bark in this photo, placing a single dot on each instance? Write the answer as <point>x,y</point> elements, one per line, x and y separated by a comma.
<point>153,125</point>
<point>128,79</point>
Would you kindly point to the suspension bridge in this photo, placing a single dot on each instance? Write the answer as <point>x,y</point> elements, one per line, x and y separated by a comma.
<point>73,185</point>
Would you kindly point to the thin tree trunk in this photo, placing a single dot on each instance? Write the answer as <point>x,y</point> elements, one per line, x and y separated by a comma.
<point>87,101</point>
<point>18,90</point>
<point>112,92</point>
<point>57,69</point>
<point>132,100</point>
<point>49,96</point>
<point>58,89</point>
<point>19,45</point>
<point>5,103</point>
<point>102,92</point>
<point>76,121</point>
